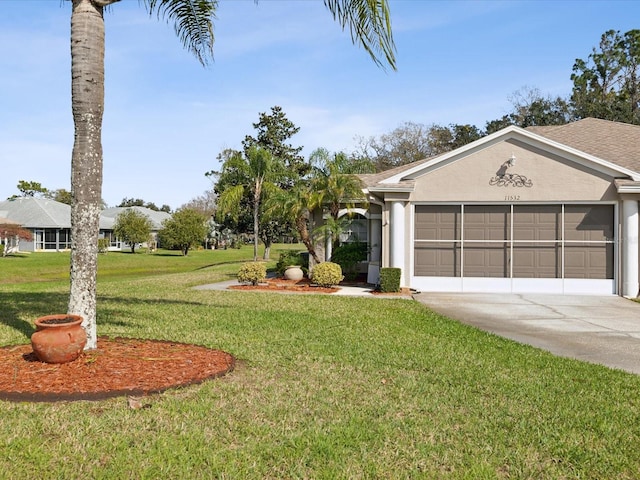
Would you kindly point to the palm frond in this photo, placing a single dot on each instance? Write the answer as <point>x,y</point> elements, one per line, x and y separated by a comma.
<point>369,23</point>
<point>192,22</point>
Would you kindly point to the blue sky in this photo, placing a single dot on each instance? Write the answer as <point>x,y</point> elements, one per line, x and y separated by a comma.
<point>167,118</point>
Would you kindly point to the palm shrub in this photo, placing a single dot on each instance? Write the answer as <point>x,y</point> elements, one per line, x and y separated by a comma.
<point>348,255</point>
<point>252,272</point>
<point>327,274</point>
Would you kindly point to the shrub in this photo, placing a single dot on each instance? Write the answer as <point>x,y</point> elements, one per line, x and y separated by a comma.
<point>292,257</point>
<point>252,272</point>
<point>1,250</point>
<point>390,279</point>
<point>103,245</point>
<point>327,274</point>
<point>348,255</point>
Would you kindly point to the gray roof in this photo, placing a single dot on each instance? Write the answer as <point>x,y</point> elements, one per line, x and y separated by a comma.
<point>109,216</point>
<point>33,212</point>
<point>6,221</point>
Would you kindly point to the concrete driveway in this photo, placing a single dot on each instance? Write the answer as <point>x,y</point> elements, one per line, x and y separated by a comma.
<point>597,329</point>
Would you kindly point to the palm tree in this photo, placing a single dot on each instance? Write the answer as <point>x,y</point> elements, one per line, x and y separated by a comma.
<point>259,172</point>
<point>296,204</point>
<point>368,21</point>
<point>334,189</point>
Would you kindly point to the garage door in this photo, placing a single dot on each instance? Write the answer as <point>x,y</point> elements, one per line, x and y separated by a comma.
<point>560,248</point>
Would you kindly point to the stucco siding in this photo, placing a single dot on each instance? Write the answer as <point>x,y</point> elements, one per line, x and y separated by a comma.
<point>537,176</point>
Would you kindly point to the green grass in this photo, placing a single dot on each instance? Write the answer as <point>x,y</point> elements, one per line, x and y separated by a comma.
<point>326,387</point>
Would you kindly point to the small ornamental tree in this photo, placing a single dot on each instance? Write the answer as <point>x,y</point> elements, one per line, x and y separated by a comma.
<point>132,227</point>
<point>185,229</point>
<point>9,235</point>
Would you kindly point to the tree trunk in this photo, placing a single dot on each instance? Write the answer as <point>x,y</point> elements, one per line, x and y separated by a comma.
<point>267,249</point>
<point>301,225</point>
<point>256,220</point>
<point>87,101</point>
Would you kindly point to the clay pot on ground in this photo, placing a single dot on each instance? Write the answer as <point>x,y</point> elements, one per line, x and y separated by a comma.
<point>58,338</point>
<point>293,272</point>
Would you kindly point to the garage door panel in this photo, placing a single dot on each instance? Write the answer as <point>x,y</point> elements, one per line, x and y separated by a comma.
<point>485,260</point>
<point>536,222</point>
<point>588,222</point>
<point>536,261</point>
<point>437,222</point>
<point>589,261</point>
<point>441,259</point>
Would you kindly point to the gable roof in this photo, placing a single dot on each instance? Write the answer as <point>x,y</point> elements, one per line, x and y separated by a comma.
<point>33,212</point>
<point>574,143</point>
<point>110,215</point>
<point>616,142</point>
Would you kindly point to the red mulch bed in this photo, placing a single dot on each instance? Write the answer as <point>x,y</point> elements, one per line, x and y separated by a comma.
<point>119,366</point>
<point>283,285</point>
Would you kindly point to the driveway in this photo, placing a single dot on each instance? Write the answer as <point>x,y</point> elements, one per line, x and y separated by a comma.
<point>597,329</point>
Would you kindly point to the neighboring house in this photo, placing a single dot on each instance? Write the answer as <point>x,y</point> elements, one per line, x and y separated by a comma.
<point>109,216</point>
<point>50,222</point>
<point>545,209</point>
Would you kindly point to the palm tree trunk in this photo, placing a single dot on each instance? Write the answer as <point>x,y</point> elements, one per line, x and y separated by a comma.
<point>256,220</point>
<point>87,100</point>
<point>301,225</point>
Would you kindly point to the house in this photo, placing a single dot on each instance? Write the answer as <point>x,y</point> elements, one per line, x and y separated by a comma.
<point>544,209</point>
<point>50,222</point>
<point>108,219</point>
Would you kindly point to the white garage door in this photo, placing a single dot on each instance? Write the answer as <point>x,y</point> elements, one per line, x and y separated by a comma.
<point>564,248</point>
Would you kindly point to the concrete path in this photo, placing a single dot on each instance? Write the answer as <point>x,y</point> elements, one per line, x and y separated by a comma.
<point>597,329</point>
<point>344,290</point>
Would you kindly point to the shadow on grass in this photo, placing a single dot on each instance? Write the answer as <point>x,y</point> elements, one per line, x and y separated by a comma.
<point>19,310</point>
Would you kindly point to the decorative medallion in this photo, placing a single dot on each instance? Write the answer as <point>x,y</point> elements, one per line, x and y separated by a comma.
<point>511,180</point>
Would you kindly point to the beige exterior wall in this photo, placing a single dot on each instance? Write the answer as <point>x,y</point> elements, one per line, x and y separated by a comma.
<point>553,179</point>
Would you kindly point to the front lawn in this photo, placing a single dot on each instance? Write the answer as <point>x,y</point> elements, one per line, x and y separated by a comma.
<point>325,387</point>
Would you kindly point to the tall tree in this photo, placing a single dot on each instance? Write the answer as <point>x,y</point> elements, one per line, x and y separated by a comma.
<point>273,132</point>
<point>369,23</point>
<point>532,108</point>
<point>258,172</point>
<point>405,144</point>
<point>607,84</point>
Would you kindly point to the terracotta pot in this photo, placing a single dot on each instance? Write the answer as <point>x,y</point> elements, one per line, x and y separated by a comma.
<point>58,338</point>
<point>294,273</point>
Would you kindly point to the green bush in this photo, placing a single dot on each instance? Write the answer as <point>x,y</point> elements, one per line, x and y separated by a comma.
<point>390,279</point>
<point>103,245</point>
<point>348,255</point>
<point>292,257</point>
<point>252,272</point>
<point>327,274</point>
